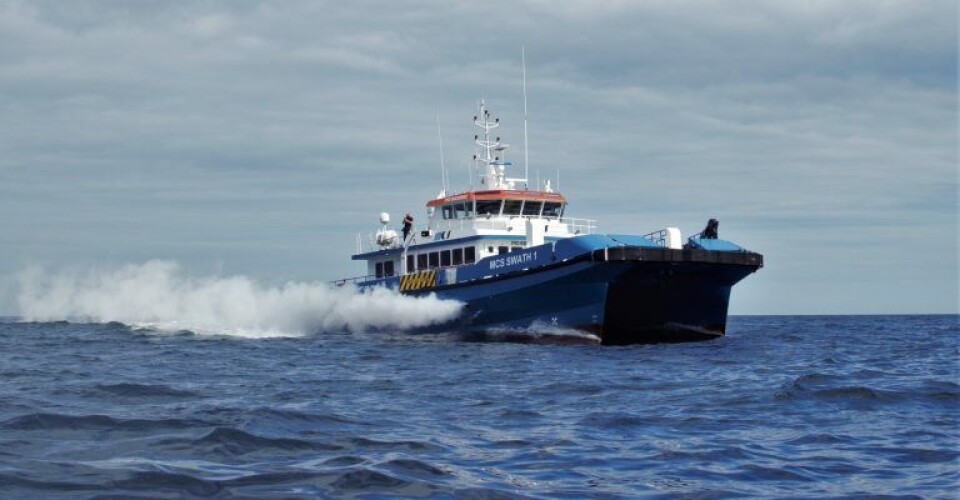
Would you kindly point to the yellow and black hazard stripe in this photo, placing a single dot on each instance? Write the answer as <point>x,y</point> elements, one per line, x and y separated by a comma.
<point>416,281</point>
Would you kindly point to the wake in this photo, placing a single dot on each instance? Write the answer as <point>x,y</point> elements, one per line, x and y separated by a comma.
<point>158,295</point>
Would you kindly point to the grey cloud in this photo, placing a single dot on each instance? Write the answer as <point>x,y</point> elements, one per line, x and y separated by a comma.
<point>203,131</point>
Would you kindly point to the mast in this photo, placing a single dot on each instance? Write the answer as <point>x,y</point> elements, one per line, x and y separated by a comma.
<point>526,148</point>
<point>492,174</point>
<point>443,168</point>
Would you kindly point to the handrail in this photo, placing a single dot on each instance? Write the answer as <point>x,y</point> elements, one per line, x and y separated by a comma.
<point>355,279</point>
<point>570,225</point>
<point>576,226</point>
<point>658,237</point>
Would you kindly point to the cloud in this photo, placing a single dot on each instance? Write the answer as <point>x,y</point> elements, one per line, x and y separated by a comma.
<point>204,131</point>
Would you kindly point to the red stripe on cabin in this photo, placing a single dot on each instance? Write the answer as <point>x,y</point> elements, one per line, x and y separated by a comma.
<point>512,194</point>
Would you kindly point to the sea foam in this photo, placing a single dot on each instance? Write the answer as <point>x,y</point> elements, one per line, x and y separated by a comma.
<point>158,295</point>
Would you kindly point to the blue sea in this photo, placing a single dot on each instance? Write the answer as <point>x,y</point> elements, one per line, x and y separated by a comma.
<point>783,406</point>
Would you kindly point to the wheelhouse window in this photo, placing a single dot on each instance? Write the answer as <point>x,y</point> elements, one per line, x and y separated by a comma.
<point>434,260</point>
<point>448,212</point>
<point>469,255</point>
<point>422,261</point>
<point>379,267</point>
<point>552,209</point>
<point>457,256</point>
<point>445,258</point>
<point>410,262</point>
<point>463,210</point>
<point>532,207</point>
<point>512,207</point>
<point>489,207</point>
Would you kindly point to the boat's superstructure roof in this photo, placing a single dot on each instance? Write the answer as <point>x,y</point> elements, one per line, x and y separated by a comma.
<point>498,194</point>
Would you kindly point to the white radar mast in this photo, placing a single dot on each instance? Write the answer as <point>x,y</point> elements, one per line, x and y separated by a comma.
<point>489,155</point>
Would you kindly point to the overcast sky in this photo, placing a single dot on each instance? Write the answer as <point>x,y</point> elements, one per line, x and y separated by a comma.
<point>257,138</point>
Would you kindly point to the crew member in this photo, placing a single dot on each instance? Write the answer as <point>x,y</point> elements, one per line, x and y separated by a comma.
<point>407,225</point>
<point>710,233</point>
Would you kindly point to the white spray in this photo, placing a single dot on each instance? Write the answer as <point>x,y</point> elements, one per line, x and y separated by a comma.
<point>158,295</point>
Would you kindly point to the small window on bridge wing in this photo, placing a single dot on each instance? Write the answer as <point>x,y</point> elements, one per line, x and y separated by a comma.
<point>469,255</point>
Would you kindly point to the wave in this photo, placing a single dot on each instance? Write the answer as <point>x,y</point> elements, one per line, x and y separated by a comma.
<point>59,421</point>
<point>537,333</point>
<point>234,442</point>
<point>132,390</point>
<point>158,295</point>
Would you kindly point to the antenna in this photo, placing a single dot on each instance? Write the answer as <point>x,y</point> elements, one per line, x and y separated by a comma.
<point>526,149</point>
<point>443,168</point>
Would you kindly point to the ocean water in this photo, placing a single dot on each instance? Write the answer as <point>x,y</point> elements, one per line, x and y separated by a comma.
<point>816,407</point>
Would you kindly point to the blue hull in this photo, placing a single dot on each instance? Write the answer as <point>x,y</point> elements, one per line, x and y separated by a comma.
<point>649,295</point>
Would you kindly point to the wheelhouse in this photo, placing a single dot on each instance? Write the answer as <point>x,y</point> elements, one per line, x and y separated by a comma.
<point>500,203</point>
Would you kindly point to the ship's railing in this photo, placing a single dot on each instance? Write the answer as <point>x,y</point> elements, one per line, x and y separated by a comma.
<point>658,237</point>
<point>493,223</point>
<point>574,226</point>
<point>353,280</point>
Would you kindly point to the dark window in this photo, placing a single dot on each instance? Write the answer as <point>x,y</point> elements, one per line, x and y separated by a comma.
<point>434,260</point>
<point>469,255</point>
<point>422,261</point>
<point>379,269</point>
<point>503,250</point>
<point>460,210</point>
<point>468,209</point>
<point>488,207</point>
<point>388,268</point>
<point>552,209</point>
<point>532,207</point>
<point>457,256</point>
<point>447,211</point>
<point>512,207</point>
<point>410,266</point>
<point>489,249</point>
<point>445,258</point>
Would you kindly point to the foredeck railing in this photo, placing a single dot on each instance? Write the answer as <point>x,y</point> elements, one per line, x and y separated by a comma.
<point>658,237</point>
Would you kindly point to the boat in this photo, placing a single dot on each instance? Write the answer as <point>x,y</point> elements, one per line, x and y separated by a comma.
<point>515,260</point>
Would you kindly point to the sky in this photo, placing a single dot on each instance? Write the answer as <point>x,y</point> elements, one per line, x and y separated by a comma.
<point>257,138</point>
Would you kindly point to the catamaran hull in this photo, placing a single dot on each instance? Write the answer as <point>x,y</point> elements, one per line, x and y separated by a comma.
<point>624,295</point>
